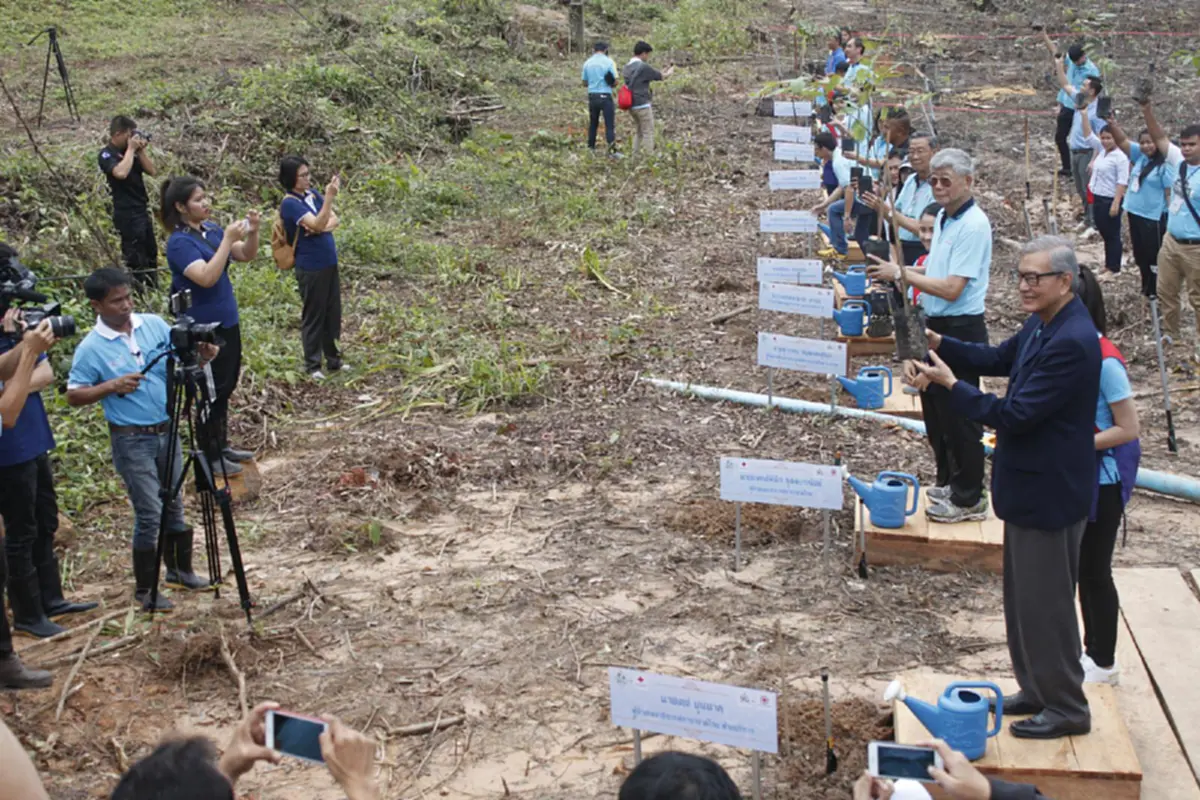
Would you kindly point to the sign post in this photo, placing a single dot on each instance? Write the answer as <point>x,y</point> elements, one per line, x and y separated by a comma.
<point>708,712</point>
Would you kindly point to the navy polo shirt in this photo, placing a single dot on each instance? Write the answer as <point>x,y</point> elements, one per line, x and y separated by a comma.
<point>31,437</point>
<point>214,303</point>
<point>314,252</point>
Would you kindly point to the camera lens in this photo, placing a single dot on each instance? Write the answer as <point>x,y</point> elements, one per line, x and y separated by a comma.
<point>63,326</point>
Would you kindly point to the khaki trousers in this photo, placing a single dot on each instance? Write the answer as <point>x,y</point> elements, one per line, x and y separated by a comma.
<point>1178,266</point>
<point>643,129</point>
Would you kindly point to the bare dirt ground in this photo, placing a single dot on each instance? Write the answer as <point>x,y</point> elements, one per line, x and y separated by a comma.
<point>483,573</point>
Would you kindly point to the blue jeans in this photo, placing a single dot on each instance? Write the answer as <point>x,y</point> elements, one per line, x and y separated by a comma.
<point>141,460</point>
<point>837,224</point>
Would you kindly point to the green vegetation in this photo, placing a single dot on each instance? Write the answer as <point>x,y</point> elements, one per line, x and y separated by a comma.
<point>451,232</point>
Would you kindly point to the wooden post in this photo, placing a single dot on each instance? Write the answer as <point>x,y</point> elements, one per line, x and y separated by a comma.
<point>575,14</point>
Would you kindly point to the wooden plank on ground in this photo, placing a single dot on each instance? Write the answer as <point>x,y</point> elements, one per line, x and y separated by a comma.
<point>1164,620</point>
<point>1104,767</point>
<point>937,546</point>
<point>1165,771</point>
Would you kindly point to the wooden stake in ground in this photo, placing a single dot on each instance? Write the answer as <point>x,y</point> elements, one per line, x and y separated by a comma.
<point>1028,188</point>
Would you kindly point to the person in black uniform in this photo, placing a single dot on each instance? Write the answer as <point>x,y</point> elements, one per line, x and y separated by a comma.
<point>123,161</point>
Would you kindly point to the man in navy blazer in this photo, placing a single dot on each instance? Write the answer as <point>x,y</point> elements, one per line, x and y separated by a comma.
<point>1043,476</point>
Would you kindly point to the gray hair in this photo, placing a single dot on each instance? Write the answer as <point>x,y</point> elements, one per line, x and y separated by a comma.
<point>1062,255</point>
<point>955,160</point>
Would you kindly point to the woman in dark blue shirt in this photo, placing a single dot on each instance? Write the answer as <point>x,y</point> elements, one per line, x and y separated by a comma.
<point>198,253</point>
<point>309,221</point>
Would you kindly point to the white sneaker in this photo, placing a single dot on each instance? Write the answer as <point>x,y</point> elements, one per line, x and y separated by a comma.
<point>1093,673</point>
<point>317,375</point>
<point>938,493</point>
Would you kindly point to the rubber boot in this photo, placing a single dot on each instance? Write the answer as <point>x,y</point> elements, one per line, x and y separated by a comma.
<point>53,603</point>
<point>15,675</point>
<point>26,600</point>
<point>177,556</point>
<point>145,574</point>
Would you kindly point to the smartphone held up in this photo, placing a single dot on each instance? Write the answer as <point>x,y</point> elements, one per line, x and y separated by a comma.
<point>295,735</point>
<point>899,761</point>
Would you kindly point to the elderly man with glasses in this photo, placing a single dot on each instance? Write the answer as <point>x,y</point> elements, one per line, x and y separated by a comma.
<point>953,284</point>
<point>1043,476</point>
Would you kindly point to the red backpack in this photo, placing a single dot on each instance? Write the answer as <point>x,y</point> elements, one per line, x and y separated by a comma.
<point>624,98</point>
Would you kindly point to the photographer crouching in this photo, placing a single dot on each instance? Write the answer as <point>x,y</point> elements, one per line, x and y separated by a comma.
<point>110,367</point>
<point>199,253</point>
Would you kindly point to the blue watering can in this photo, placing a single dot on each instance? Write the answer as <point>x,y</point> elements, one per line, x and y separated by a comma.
<point>960,717</point>
<point>852,317</point>
<point>869,389</point>
<point>854,280</point>
<point>887,498</point>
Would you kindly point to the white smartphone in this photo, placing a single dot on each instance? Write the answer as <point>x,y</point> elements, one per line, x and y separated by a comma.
<point>295,735</point>
<point>891,760</point>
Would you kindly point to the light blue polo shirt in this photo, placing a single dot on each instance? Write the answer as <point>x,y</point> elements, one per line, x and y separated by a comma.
<point>915,197</point>
<point>594,70</point>
<point>1114,387</point>
<point>853,70</point>
<point>962,246</point>
<point>1180,222</point>
<point>841,168</point>
<point>1076,76</point>
<point>1077,140</point>
<point>105,354</point>
<point>877,152</point>
<point>1145,198</point>
<point>862,116</point>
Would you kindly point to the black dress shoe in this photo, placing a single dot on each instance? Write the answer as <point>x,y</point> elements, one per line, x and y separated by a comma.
<point>1015,705</point>
<point>237,456</point>
<point>1038,727</point>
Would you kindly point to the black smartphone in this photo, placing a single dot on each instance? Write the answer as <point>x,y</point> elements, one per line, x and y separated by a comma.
<point>849,145</point>
<point>1104,108</point>
<point>856,173</point>
<point>865,184</point>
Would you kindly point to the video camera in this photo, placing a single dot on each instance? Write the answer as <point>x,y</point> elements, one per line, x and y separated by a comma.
<point>186,333</point>
<point>17,283</point>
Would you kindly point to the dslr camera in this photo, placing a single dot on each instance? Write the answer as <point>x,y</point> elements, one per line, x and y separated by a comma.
<point>186,333</point>
<point>17,284</point>
<point>145,135</point>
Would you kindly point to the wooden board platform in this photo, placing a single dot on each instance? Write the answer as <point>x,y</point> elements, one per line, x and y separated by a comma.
<point>854,253</point>
<point>1163,616</point>
<point>868,345</point>
<point>1102,765</point>
<point>936,546</point>
<point>245,486</point>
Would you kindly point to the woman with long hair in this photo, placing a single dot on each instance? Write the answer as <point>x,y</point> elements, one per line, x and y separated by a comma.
<point>1118,452</point>
<point>1145,203</point>
<point>199,252</point>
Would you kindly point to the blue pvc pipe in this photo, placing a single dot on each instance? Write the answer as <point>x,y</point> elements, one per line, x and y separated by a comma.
<point>1180,486</point>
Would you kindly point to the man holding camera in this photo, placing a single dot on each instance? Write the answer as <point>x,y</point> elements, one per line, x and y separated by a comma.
<point>116,366</point>
<point>123,161</point>
<point>28,502</point>
<point>17,368</point>
<point>1080,83</point>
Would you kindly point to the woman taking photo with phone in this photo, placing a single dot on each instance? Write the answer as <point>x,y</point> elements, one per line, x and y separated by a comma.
<point>309,222</point>
<point>1145,203</point>
<point>199,252</point>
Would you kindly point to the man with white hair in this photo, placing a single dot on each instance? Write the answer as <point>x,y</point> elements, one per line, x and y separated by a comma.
<point>953,285</point>
<point>1043,476</point>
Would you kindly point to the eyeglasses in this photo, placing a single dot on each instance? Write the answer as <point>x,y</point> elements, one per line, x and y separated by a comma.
<point>936,181</point>
<point>1032,279</point>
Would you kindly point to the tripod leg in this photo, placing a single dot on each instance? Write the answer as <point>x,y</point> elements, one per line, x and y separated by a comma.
<point>225,500</point>
<point>45,82</point>
<point>66,80</point>
<point>1172,445</point>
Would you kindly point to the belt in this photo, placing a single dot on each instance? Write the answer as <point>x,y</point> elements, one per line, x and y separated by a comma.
<point>599,94</point>
<point>1191,242</point>
<point>142,430</point>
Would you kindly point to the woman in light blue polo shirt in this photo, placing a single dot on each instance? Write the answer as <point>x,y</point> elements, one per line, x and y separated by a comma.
<point>1145,202</point>
<point>199,252</point>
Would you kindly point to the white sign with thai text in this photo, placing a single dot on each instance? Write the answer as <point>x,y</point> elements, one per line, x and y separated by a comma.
<point>807,300</point>
<point>802,355</point>
<point>786,108</point>
<point>791,133</point>
<point>780,483</point>
<point>787,222</point>
<point>790,270</point>
<point>791,151</point>
<point>708,712</point>
<point>778,179</point>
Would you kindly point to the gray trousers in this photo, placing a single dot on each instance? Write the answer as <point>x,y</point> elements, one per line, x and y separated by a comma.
<point>1041,570</point>
<point>1080,176</point>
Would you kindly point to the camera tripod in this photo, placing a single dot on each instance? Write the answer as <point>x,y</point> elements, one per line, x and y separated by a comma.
<point>189,394</point>
<point>52,49</point>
